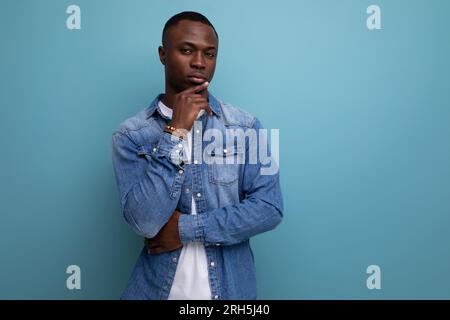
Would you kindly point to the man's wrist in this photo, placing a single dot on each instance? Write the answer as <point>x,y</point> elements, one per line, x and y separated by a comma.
<point>171,147</point>
<point>178,132</point>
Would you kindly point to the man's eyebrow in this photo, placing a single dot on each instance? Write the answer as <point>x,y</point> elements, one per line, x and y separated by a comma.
<point>193,45</point>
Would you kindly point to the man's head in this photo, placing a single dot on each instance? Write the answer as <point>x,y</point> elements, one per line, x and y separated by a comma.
<point>189,51</point>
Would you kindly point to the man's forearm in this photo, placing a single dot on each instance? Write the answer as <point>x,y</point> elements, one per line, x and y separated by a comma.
<point>260,210</point>
<point>232,224</point>
<point>149,183</point>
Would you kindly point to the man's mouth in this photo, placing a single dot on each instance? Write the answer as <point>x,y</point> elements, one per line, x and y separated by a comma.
<point>196,78</point>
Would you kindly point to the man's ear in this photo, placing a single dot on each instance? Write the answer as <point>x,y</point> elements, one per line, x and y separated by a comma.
<point>162,55</point>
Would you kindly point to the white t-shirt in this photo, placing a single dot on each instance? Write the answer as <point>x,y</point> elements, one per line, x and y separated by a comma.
<point>191,280</point>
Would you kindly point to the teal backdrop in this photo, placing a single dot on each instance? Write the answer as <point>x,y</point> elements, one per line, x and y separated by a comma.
<point>364,119</point>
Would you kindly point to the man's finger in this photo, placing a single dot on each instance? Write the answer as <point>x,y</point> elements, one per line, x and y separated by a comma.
<point>198,88</point>
<point>155,250</point>
<point>150,242</point>
<point>199,100</point>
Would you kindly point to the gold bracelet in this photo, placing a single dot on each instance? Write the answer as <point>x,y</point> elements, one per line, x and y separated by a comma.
<point>170,128</point>
<point>174,131</point>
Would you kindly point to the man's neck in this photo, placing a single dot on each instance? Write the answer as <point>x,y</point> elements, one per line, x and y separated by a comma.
<point>168,99</point>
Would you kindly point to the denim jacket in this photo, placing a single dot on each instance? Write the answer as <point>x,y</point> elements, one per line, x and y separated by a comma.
<point>234,200</point>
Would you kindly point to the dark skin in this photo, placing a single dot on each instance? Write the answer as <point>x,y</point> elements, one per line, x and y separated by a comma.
<point>189,56</point>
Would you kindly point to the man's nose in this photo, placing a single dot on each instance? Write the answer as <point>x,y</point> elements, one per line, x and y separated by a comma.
<point>198,60</point>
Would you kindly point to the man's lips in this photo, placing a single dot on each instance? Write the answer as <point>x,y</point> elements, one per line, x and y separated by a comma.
<point>196,78</point>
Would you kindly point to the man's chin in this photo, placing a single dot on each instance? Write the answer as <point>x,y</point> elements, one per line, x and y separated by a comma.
<point>191,84</point>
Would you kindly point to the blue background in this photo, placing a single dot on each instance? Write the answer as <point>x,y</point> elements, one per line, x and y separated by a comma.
<point>364,129</point>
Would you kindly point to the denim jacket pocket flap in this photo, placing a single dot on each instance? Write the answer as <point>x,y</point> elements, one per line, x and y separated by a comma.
<point>223,166</point>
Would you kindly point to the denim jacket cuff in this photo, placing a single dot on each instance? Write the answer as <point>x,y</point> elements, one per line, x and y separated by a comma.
<point>191,228</point>
<point>171,147</point>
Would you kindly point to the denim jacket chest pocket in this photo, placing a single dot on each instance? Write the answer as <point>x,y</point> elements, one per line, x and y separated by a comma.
<point>224,166</point>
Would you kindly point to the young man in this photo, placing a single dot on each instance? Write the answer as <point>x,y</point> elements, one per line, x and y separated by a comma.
<point>196,197</point>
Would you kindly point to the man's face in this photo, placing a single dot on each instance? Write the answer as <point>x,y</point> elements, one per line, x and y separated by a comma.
<point>189,54</point>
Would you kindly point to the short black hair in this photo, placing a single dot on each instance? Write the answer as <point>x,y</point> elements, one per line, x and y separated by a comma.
<point>186,15</point>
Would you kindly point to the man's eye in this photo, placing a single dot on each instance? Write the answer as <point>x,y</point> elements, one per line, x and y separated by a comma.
<point>211,54</point>
<point>185,50</point>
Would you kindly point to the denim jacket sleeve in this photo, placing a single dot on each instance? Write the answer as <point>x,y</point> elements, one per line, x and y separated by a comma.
<point>260,210</point>
<point>149,181</point>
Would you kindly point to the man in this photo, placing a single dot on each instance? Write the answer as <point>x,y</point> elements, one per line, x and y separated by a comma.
<point>197,211</point>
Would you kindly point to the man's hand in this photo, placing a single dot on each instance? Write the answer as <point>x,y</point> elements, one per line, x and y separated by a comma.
<point>167,239</point>
<point>187,105</point>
